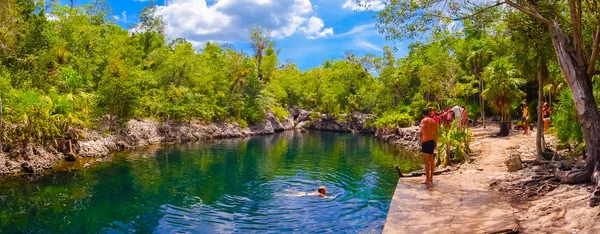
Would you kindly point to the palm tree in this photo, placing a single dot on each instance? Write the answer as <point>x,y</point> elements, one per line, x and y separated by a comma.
<point>480,54</point>
<point>552,89</point>
<point>502,86</point>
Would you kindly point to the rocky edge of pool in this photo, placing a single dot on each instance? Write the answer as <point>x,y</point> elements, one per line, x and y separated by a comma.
<point>98,143</point>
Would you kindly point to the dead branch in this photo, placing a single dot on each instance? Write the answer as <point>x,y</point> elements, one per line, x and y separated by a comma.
<point>595,50</point>
<point>421,173</point>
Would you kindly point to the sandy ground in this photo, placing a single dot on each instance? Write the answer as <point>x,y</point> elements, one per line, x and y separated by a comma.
<point>483,197</point>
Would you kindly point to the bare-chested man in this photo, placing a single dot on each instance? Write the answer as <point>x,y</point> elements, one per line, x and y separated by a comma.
<point>428,137</point>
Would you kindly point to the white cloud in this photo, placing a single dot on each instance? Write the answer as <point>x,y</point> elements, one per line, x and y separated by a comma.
<point>357,29</point>
<point>367,45</point>
<point>375,5</point>
<point>122,18</point>
<point>231,20</point>
<point>326,32</point>
<point>313,28</point>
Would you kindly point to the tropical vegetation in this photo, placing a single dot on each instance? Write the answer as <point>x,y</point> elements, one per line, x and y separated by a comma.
<point>65,69</point>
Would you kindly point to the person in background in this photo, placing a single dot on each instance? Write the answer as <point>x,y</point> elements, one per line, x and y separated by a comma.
<point>435,116</point>
<point>465,117</point>
<point>447,118</point>
<point>546,112</point>
<point>428,137</point>
<point>457,115</point>
<point>525,118</point>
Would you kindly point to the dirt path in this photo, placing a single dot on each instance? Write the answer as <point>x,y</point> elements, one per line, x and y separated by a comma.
<point>464,200</point>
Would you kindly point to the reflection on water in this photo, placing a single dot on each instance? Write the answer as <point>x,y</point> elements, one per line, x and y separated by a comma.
<point>222,186</point>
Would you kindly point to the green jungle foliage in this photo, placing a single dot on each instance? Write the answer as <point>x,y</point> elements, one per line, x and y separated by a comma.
<point>566,125</point>
<point>394,118</point>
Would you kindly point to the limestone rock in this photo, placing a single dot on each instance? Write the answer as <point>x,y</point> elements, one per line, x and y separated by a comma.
<point>263,129</point>
<point>9,165</point>
<point>302,125</point>
<point>37,158</point>
<point>407,138</point>
<point>303,116</point>
<point>277,125</point>
<point>295,112</point>
<point>513,163</point>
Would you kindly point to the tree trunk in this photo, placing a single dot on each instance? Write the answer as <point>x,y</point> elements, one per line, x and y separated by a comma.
<point>481,101</point>
<point>541,74</point>
<point>1,133</point>
<point>580,85</point>
<point>259,63</point>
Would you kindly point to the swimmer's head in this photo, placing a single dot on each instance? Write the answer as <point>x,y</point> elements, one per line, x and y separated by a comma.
<point>322,190</point>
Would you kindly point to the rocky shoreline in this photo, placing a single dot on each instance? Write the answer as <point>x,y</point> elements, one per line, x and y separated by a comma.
<point>35,158</point>
<point>407,138</point>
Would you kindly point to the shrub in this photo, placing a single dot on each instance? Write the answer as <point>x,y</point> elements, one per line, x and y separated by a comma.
<point>243,123</point>
<point>280,112</point>
<point>314,116</point>
<point>474,110</point>
<point>394,118</point>
<point>566,122</point>
<point>370,123</point>
<point>453,145</point>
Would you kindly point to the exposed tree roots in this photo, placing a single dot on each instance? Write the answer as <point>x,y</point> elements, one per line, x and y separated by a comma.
<point>528,190</point>
<point>595,198</point>
<point>578,177</point>
<point>574,176</point>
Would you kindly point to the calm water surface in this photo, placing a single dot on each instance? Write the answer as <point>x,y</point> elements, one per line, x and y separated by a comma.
<point>219,187</point>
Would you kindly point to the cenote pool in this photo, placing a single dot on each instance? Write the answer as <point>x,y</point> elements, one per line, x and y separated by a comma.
<point>224,186</point>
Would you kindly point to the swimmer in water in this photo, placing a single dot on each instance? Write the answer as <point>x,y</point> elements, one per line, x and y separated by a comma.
<point>321,192</point>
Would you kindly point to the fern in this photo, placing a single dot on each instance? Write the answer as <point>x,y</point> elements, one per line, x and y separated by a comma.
<point>453,145</point>
<point>566,123</point>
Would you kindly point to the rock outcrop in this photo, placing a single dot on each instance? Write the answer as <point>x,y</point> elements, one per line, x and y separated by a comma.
<point>31,158</point>
<point>356,122</point>
<point>35,158</point>
<point>407,138</point>
<point>140,133</point>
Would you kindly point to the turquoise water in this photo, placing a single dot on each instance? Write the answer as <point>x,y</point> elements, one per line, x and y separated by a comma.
<point>225,186</point>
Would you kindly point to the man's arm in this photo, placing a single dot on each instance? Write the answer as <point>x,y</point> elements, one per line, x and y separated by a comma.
<point>436,133</point>
<point>421,131</point>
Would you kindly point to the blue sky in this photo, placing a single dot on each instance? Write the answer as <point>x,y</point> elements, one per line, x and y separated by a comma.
<point>306,31</point>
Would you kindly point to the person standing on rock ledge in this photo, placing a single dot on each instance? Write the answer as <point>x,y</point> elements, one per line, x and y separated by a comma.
<point>428,135</point>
